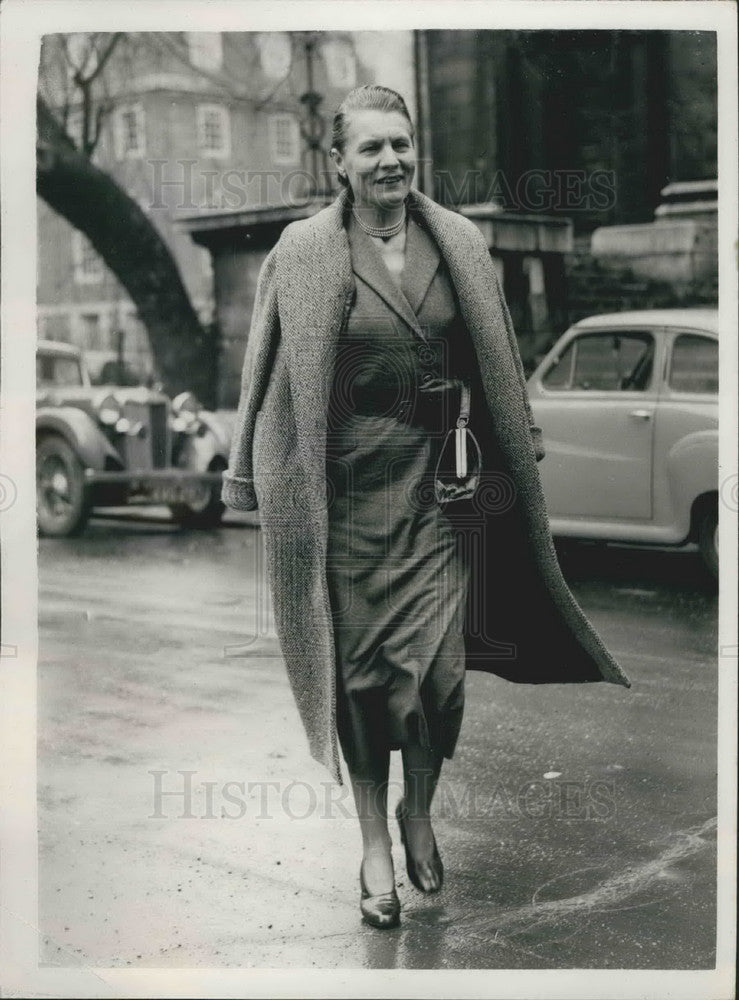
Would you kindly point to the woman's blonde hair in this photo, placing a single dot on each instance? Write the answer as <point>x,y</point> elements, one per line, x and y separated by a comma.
<point>370,97</point>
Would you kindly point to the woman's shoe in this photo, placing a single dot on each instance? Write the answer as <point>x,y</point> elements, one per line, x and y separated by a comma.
<point>427,876</point>
<point>381,911</point>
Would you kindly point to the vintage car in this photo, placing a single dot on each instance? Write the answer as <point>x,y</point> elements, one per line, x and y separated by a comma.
<point>102,446</point>
<point>628,407</point>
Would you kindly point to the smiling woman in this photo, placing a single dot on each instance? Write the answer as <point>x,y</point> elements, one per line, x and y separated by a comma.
<point>379,335</point>
<point>391,696</point>
<point>375,156</point>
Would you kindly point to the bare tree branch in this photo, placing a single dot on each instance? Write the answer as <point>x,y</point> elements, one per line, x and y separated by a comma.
<point>219,79</point>
<point>104,56</point>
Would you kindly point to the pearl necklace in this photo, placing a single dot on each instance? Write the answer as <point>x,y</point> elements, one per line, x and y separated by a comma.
<point>383,232</point>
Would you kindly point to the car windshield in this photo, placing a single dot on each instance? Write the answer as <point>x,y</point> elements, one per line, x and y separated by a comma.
<point>55,369</point>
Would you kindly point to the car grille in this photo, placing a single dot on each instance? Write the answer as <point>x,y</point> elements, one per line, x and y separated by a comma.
<point>150,451</point>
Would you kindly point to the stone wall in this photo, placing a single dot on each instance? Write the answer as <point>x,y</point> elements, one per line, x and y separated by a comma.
<point>594,288</point>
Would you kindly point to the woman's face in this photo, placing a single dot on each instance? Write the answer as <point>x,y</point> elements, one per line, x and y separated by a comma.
<point>379,158</point>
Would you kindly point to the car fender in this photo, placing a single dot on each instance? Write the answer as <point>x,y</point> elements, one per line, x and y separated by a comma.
<point>198,451</point>
<point>220,433</point>
<point>692,469</point>
<point>80,431</point>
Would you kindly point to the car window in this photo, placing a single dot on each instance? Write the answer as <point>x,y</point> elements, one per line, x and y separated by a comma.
<point>608,361</point>
<point>694,364</point>
<point>559,375</point>
<point>56,370</point>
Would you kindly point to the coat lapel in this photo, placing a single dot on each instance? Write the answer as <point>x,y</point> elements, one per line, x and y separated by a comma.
<point>368,265</point>
<point>422,262</point>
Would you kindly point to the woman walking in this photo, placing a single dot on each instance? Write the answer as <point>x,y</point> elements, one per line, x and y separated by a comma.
<point>385,434</point>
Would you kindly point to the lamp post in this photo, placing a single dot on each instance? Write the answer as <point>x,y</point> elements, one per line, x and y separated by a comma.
<point>314,158</point>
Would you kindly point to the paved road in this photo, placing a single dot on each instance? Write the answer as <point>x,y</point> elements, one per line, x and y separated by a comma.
<point>182,823</point>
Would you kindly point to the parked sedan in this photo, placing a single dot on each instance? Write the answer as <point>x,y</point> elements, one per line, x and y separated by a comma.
<point>102,446</point>
<point>628,405</point>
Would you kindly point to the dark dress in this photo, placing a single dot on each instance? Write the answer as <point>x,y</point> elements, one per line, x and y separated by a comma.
<point>397,574</point>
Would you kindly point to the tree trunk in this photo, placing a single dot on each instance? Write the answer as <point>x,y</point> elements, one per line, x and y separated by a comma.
<point>93,202</point>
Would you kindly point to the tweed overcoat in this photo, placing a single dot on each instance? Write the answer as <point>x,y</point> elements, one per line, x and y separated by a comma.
<point>522,621</point>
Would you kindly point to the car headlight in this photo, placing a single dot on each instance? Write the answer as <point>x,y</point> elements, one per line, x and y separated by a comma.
<point>186,411</point>
<point>109,410</point>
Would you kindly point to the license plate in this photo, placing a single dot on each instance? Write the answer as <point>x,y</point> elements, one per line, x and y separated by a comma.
<point>172,492</point>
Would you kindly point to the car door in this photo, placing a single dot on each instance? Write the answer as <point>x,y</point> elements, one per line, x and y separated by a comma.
<point>595,401</point>
<point>686,425</point>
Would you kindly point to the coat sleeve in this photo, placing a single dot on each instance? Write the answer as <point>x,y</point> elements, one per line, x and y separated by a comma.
<point>238,480</point>
<point>535,430</point>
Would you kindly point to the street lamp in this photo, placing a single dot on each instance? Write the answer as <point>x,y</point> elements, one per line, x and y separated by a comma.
<point>314,158</point>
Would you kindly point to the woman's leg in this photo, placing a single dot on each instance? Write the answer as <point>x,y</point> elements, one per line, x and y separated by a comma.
<point>369,786</point>
<point>421,770</point>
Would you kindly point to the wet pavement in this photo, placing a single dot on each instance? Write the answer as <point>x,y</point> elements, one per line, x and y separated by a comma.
<point>182,823</point>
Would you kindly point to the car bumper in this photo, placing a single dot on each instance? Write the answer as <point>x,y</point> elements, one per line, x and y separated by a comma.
<point>156,486</point>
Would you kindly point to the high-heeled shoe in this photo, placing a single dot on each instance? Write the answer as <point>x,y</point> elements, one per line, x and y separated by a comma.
<point>381,911</point>
<point>427,876</point>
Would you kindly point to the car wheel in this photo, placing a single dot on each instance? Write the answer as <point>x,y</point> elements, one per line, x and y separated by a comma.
<point>63,502</point>
<point>207,514</point>
<point>708,540</point>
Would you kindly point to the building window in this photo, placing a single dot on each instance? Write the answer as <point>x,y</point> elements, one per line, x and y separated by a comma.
<point>98,137</point>
<point>88,267</point>
<point>341,65</point>
<point>90,332</point>
<point>135,332</point>
<point>129,132</point>
<point>54,326</point>
<point>114,331</point>
<point>214,130</point>
<point>275,53</point>
<point>205,49</point>
<point>284,139</point>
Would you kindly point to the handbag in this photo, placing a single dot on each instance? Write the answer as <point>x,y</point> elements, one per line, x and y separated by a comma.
<point>459,466</point>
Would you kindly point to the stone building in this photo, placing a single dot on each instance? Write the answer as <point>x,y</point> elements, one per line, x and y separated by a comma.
<point>591,125</point>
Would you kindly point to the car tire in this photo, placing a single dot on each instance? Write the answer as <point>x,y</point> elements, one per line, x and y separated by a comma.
<point>62,498</point>
<point>208,515</point>
<point>708,540</point>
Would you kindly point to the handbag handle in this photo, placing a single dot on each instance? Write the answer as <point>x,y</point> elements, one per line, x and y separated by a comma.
<point>461,431</point>
<point>464,404</point>
<point>465,481</point>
